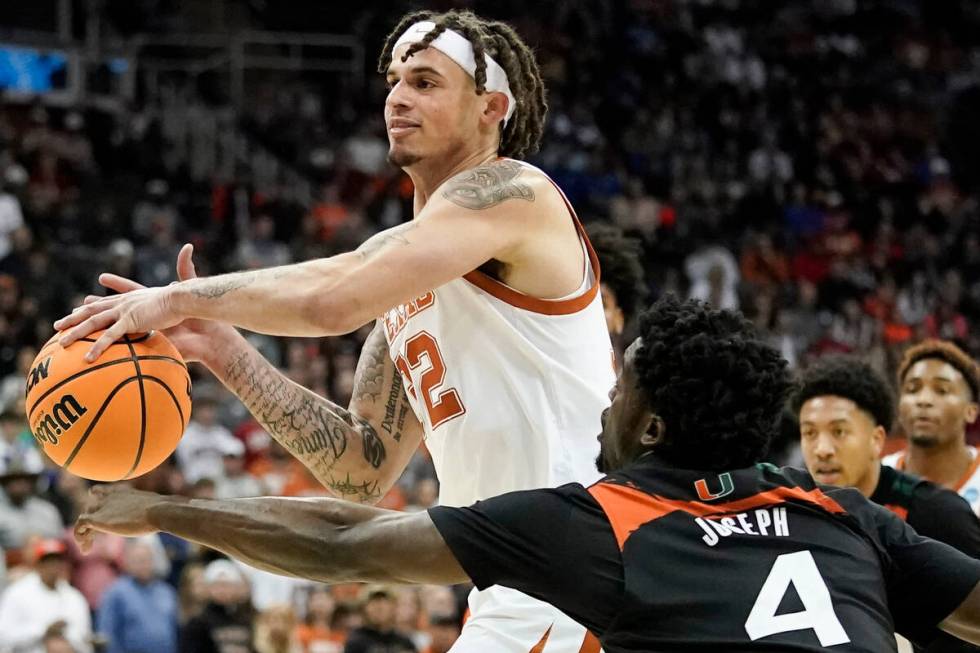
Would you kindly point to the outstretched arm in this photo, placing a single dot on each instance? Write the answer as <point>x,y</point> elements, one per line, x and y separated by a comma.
<point>356,452</point>
<point>327,540</point>
<point>490,212</point>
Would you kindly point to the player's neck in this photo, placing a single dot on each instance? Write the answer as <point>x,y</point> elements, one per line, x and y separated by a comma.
<point>869,483</point>
<point>429,175</point>
<point>943,464</point>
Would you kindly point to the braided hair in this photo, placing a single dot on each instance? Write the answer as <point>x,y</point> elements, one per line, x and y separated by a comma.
<point>522,134</point>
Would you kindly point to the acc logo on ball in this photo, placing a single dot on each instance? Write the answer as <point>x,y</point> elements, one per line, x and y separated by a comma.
<point>39,373</point>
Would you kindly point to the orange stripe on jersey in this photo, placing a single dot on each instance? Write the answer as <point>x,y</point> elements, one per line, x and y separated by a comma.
<point>539,647</point>
<point>590,644</point>
<point>901,464</point>
<point>902,513</point>
<point>628,508</point>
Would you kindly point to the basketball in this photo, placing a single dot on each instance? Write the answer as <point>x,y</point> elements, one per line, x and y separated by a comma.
<point>116,418</point>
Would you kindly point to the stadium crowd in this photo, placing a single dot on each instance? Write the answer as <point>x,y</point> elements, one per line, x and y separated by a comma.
<point>809,163</point>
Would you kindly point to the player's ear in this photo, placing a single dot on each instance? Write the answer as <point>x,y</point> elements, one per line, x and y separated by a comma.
<point>878,439</point>
<point>495,108</point>
<point>654,432</point>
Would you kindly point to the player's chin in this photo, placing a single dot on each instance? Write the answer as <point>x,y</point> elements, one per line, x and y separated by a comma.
<point>921,439</point>
<point>401,156</point>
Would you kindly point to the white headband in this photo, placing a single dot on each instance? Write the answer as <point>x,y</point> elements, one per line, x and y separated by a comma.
<point>458,48</point>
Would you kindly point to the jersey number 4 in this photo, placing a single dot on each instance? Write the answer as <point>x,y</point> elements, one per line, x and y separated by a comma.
<point>817,615</point>
<point>441,404</point>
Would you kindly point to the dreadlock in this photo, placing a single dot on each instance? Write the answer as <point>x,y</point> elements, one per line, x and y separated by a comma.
<point>522,135</point>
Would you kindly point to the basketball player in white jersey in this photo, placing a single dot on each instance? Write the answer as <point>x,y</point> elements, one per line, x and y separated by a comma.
<point>491,342</point>
<point>938,388</point>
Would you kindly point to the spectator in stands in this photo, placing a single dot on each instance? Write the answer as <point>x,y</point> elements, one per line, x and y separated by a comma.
<point>316,633</point>
<point>201,450</point>
<point>42,604</point>
<point>275,631</point>
<point>235,481</point>
<point>378,630</point>
<point>443,631</point>
<point>139,612</point>
<point>225,624</point>
<point>23,513</point>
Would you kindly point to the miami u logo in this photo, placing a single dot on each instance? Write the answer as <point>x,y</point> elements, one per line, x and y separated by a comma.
<point>727,486</point>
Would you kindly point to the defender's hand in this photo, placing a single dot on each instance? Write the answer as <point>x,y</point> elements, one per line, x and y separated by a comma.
<point>115,509</point>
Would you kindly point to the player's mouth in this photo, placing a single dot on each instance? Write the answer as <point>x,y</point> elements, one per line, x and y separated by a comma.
<point>827,475</point>
<point>401,126</point>
<point>923,421</point>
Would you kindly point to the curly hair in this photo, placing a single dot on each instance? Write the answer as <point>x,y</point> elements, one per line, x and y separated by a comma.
<point>944,351</point>
<point>850,378</point>
<point>522,134</point>
<point>718,388</point>
<point>620,256</point>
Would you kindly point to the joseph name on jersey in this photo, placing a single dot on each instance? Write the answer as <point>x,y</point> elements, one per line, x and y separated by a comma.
<point>967,487</point>
<point>509,388</point>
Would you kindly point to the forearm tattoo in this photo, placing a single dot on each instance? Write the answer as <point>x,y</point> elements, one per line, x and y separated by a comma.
<point>312,428</point>
<point>216,287</point>
<point>488,185</point>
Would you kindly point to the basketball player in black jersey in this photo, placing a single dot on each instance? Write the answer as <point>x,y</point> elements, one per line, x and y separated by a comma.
<point>689,546</point>
<point>845,410</point>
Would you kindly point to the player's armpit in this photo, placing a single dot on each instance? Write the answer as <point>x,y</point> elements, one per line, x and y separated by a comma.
<point>964,622</point>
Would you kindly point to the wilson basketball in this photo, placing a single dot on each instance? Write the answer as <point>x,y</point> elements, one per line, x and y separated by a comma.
<point>116,418</point>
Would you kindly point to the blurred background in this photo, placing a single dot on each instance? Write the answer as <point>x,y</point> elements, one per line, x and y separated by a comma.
<point>811,163</point>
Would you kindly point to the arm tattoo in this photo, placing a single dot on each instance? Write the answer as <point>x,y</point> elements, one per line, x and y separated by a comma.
<point>379,241</point>
<point>371,367</point>
<point>313,429</point>
<point>488,185</point>
<point>220,286</point>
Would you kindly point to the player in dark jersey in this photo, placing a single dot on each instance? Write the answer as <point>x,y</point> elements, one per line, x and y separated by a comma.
<point>623,284</point>
<point>845,410</point>
<point>690,546</point>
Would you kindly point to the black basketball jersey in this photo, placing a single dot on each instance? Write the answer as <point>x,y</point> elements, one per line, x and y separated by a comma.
<point>660,559</point>
<point>938,513</point>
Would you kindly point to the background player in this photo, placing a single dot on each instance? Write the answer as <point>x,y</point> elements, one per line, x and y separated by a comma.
<point>845,410</point>
<point>690,545</point>
<point>938,390</point>
<point>623,284</point>
<point>489,307</point>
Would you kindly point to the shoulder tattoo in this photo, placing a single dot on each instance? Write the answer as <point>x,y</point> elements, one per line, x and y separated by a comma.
<point>488,185</point>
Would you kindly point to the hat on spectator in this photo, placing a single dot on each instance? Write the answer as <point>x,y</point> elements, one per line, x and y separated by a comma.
<point>49,547</point>
<point>232,447</point>
<point>376,591</point>
<point>223,571</point>
<point>20,463</point>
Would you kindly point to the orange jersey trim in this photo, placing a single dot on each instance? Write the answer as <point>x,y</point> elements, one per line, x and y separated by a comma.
<point>590,644</point>
<point>516,298</point>
<point>902,513</point>
<point>628,508</point>
<point>539,647</point>
<point>970,471</point>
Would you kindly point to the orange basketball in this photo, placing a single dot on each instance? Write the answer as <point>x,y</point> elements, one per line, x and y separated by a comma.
<point>113,419</point>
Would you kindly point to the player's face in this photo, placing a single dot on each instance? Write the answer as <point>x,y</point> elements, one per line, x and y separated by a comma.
<point>841,443</point>
<point>615,320</point>
<point>432,109</point>
<point>935,403</point>
<point>626,420</point>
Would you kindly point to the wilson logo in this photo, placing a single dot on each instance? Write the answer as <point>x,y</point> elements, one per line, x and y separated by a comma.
<point>725,483</point>
<point>50,426</point>
<point>38,374</point>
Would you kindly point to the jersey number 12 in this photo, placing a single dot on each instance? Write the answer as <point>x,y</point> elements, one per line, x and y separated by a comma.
<point>441,404</point>
<point>817,615</point>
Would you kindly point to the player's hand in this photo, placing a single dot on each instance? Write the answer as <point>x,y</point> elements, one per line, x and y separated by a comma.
<point>193,338</point>
<point>115,509</point>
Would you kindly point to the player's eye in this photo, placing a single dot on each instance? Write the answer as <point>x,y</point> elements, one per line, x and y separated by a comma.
<point>839,433</point>
<point>424,84</point>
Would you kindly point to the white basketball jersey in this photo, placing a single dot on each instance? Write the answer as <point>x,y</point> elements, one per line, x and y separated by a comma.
<point>968,486</point>
<point>509,388</point>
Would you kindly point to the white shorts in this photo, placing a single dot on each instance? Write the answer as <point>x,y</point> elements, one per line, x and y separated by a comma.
<point>503,620</point>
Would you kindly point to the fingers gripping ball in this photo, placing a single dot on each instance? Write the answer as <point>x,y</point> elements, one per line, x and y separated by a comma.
<point>114,419</point>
